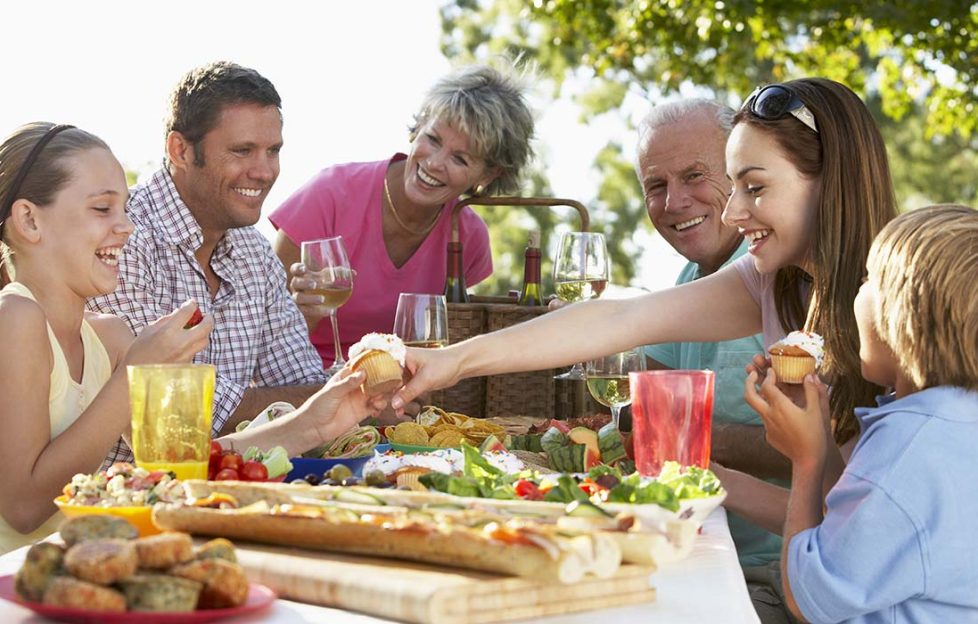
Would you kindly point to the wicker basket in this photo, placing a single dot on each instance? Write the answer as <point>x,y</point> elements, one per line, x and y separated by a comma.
<point>533,393</point>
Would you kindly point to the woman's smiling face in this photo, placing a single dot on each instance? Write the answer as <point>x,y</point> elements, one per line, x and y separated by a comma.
<point>772,204</point>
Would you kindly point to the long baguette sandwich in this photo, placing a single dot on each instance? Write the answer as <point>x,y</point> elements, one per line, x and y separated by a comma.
<point>474,540</point>
<point>639,542</point>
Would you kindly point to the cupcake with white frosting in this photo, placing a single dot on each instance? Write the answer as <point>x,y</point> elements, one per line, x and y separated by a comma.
<point>796,355</point>
<point>381,357</point>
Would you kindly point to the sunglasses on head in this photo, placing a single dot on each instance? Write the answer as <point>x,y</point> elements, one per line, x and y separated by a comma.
<point>773,102</point>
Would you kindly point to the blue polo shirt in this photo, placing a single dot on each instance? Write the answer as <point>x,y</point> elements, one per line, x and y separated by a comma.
<point>899,541</point>
<point>727,360</point>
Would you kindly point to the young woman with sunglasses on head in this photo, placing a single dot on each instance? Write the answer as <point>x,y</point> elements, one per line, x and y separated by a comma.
<point>63,225</point>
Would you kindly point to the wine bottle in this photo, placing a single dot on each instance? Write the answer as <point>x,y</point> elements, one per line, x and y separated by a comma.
<point>455,278</point>
<point>532,293</point>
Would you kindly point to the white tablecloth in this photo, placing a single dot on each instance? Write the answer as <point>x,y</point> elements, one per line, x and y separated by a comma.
<point>705,587</point>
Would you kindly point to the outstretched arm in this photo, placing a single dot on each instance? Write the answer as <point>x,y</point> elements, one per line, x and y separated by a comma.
<point>687,313</point>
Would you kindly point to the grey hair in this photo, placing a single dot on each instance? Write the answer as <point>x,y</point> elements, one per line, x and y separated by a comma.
<point>490,107</point>
<point>677,110</point>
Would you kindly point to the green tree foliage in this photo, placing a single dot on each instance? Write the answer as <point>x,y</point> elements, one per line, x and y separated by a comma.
<point>912,51</point>
<point>914,62</point>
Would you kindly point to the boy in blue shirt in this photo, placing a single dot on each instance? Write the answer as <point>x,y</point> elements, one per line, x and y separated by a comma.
<point>899,535</point>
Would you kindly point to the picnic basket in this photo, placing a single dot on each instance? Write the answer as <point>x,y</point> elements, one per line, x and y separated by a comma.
<point>533,393</point>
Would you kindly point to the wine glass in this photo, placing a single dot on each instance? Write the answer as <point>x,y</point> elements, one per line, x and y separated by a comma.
<point>607,379</point>
<point>422,320</point>
<point>327,264</point>
<point>581,271</point>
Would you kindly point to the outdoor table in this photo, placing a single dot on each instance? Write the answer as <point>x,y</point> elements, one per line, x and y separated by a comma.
<point>707,586</point>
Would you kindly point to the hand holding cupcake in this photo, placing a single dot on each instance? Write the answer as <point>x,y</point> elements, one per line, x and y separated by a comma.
<point>796,355</point>
<point>381,358</point>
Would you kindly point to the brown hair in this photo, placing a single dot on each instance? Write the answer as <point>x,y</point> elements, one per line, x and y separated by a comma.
<point>203,92</point>
<point>48,174</point>
<point>924,264</point>
<point>856,200</point>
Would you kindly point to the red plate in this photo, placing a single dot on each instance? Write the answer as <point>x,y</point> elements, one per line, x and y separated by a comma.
<point>259,597</point>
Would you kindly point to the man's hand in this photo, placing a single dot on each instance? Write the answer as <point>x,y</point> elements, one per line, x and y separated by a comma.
<point>800,433</point>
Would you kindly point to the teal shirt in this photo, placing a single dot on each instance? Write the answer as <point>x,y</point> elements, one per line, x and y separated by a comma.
<point>727,359</point>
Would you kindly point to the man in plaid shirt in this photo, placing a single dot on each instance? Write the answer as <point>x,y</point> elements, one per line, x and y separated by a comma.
<point>194,239</point>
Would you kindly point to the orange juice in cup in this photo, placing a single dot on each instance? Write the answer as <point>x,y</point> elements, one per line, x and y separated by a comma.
<point>171,408</point>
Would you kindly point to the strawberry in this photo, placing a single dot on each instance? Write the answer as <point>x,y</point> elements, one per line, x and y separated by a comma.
<point>195,318</point>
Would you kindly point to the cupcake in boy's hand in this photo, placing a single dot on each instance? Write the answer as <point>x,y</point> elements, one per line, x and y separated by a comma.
<point>381,357</point>
<point>796,355</point>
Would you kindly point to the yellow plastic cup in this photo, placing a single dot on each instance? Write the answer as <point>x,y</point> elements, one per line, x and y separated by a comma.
<point>172,410</point>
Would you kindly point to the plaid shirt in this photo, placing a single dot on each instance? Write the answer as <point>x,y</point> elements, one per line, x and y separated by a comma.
<point>259,336</point>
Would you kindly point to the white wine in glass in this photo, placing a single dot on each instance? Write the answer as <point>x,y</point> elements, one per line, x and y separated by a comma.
<point>421,320</point>
<point>328,265</point>
<point>607,379</point>
<point>581,272</point>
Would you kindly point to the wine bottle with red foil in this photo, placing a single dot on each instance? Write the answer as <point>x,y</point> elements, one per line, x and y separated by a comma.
<point>455,279</point>
<point>532,293</point>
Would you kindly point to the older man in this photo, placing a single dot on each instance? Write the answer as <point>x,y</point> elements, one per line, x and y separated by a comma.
<point>194,239</point>
<point>682,172</point>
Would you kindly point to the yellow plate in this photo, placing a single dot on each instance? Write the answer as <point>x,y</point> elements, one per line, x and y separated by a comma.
<point>139,517</point>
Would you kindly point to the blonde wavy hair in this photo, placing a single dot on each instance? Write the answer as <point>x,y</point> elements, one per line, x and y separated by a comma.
<point>924,264</point>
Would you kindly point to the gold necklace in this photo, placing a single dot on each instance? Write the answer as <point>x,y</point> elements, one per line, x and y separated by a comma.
<point>397,217</point>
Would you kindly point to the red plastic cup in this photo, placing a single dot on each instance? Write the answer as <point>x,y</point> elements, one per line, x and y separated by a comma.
<point>672,412</point>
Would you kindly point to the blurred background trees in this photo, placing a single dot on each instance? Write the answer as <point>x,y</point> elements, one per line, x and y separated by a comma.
<point>914,63</point>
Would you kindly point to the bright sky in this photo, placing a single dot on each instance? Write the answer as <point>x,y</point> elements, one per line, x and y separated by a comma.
<point>350,75</point>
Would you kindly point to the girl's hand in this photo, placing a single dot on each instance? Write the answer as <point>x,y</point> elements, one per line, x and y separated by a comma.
<point>799,432</point>
<point>165,341</point>
<point>311,305</point>
<point>430,369</point>
<point>761,364</point>
<point>339,405</point>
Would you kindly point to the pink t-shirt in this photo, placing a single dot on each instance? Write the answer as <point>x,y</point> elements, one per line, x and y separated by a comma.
<point>346,200</point>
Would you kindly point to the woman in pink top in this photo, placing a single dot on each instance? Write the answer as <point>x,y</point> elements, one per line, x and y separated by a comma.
<point>470,136</point>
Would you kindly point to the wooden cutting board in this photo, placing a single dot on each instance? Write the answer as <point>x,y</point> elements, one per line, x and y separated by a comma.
<point>430,594</point>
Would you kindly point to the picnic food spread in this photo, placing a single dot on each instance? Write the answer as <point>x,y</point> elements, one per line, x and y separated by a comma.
<point>479,509</point>
<point>796,355</point>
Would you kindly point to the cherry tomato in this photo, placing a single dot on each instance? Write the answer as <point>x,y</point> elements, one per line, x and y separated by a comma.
<point>589,487</point>
<point>213,465</point>
<point>216,448</point>
<point>254,471</point>
<point>227,474</point>
<point>195,318</point>
<point>527,489</point>
<point>232,460</point>
<point>155,476</point>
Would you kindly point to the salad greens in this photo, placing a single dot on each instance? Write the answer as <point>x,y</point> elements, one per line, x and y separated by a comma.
<point>603,483</point>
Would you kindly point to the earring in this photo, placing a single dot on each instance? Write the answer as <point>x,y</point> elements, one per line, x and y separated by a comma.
<point>479,189</point>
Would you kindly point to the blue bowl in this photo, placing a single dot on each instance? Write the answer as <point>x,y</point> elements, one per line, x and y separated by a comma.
<point>301,466</point>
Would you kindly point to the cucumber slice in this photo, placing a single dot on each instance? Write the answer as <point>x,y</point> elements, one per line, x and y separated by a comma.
<point>586,509</point>
<point>353,496</point>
